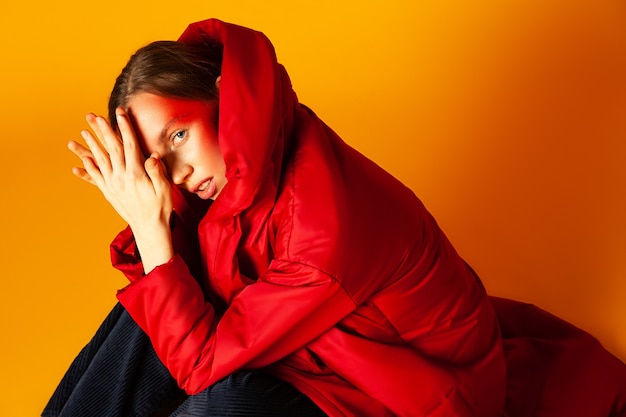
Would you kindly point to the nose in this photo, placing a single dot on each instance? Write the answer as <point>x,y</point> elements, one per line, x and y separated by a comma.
<point>180,174</point>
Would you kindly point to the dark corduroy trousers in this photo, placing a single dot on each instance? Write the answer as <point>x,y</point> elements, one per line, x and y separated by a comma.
<point>117,374</point>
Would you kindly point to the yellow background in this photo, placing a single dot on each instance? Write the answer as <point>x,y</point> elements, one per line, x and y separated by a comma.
<point>506,117</point>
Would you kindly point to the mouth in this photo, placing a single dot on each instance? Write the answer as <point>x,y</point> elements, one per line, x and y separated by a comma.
<point>205,189</point>
<point>203,186</point>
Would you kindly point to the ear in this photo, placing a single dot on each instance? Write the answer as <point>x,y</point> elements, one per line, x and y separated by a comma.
<point>217,82</point>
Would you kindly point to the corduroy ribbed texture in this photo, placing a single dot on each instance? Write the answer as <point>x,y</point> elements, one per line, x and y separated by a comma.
<point>116,374</point>
<point>247,394</point>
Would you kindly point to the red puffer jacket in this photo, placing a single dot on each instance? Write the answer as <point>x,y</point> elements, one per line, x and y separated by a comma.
<point>332,274</point>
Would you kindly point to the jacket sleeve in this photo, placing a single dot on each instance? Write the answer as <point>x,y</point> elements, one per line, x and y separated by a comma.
<point>126,258</point>
<point>124,255</point>
<point>183,223</point>
<point>290,305</point>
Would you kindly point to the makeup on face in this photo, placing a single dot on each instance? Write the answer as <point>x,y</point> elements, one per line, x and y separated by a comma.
<point>184,134</point>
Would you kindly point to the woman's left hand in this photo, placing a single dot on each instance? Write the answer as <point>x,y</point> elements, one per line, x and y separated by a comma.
<point>139,191</point>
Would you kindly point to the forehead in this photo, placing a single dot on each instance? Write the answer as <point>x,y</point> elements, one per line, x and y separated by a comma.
<point>147,106</point>
<point>151,113</point>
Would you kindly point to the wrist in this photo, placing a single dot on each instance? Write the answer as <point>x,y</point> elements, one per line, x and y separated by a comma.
<point>154,246</point>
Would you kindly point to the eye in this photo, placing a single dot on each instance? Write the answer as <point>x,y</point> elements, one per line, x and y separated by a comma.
<point>178,137</point>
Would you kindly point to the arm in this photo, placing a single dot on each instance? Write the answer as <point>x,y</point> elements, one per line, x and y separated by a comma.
<point>290,305</point>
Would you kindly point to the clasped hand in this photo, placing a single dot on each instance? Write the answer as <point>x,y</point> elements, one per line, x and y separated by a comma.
<point>138,189</point>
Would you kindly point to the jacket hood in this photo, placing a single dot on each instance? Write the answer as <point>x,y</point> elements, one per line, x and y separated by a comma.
<point>256,107</point>
<point>256,112</point>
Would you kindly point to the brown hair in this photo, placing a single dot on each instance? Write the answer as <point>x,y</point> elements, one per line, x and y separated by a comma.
<point>170,69</point>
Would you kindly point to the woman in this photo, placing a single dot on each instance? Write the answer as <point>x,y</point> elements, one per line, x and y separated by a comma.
<point>321,275</point>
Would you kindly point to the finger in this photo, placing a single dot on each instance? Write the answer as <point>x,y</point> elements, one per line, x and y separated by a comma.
<point>109,139</point>
<point>158,175</point>
<point>92,170</point>
<point>81,152</point>
<point>92,120</point>
<point>78,149</point>
<point>154,170</point>
<point>83,175</point>
<point>100,157</point>
<point>132,152</point>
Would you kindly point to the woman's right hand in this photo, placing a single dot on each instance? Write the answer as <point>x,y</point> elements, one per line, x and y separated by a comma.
<point>138,190</point>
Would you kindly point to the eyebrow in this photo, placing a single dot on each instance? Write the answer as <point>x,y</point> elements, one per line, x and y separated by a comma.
<point>168,126</point>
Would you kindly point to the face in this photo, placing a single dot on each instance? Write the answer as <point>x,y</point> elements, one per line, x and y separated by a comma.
<point>184,134</point>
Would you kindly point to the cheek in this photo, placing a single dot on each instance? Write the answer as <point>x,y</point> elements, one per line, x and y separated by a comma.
<point>210,152</point>
<point>214,157</point>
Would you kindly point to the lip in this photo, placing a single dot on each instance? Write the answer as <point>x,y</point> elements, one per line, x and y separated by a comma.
<point>208,192</point>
